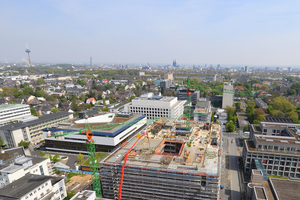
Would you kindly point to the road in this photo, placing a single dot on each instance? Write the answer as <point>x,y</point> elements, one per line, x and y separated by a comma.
<point>230,170</point>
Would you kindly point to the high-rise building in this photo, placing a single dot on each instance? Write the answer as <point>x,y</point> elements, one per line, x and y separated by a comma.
<point>227,95</point>
<point>181,94</point>
<point>289,68</point>
<point>266,68</point>
<point>277,68</point>
<point>165,84</point>
<point>246,69</point>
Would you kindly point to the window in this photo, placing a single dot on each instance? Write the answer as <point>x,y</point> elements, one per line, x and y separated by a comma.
<point>60,189</point>
<point>276,148</point>
<point>281,148</point>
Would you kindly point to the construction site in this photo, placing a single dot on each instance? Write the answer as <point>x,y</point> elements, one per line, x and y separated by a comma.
<point>169,161</point>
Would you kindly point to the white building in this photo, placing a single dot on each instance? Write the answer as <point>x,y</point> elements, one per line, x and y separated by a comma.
<point>156,106</point>
<point>227,95</point>
<point>30,129</point>
<point>15,164</point>
<point>202,112</point>
<point>11,112</point>
<point>35,187</point>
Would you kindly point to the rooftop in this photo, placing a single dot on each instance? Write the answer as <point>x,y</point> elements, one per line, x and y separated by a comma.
<point>11,106</point>
<point>42,119</point>
<point>26,184</point>
<point>286,189</point>
<point>195,152</point>
<point>278,119</point>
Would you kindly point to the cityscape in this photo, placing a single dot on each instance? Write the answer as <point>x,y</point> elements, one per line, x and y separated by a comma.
<point>149,100</point>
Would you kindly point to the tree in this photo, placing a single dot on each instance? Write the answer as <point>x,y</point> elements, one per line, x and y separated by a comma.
<point>238,107</point>
<point>39,93</point>
<point>28,91</point>
<point>246,128</point>
<point>89,106</point>
<point>260,118</point>
<point>23,144</point>
<point>18,94</point>
<point>1,142</point>
<point>230,127</point>
<point>33,112</point>
<point>40,81</point>
<point>256,121</point>
<point>258,111</point>
<point>234,119</point>
<point>81,82</point>
<point>55,158</point>
<point>230,109</point>
<point>270,109</point>
<point>250,109</point>
<point>292,92</point>
<point>80,156</point>
<point>265,88</point>
<point>54,110</point>
<point>42,153</point>
<point>229,116</point>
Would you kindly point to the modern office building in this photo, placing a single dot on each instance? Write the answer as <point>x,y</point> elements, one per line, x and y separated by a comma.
<point>15,164</point>
<point>12,112</point>
<point>164,166</point>
<point>155,106</point>
<point>35,187</point>
<point>202,112</point>
<point>228,94</point>
<point>181,94</point>
<point>246,69</point>
<point>109,131</point>
<point>30,130</point>
<point>165,84</point>
<point>275,152</point>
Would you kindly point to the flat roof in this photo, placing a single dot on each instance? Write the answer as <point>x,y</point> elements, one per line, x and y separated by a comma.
<point>42,119</point>
<point>285,188</point>
<point>26,184</point>
<point>195,154</point>
<point>11,106</point>
<point>103,129</point>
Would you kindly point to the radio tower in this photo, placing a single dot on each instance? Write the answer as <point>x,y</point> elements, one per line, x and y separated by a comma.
<point>28,51</point>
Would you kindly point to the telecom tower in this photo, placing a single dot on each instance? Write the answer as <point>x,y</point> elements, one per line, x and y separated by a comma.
<point>28,51</point>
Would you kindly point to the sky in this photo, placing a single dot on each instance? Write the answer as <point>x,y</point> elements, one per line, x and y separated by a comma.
<point>195,32</point>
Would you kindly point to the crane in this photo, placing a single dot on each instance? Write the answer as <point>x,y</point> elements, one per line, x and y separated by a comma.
<point>188,105</point>
<point>90,144</point>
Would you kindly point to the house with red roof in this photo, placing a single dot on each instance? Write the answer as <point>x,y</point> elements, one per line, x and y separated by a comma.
<point>90,100</point>
<point>239,88</point>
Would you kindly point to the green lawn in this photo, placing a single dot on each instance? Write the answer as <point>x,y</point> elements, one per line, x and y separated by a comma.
<point>100,156</point>
<point>281,177</point>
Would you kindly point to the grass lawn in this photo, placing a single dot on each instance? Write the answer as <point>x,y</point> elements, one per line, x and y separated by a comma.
<point>280,177</point>
<point>100,156</point>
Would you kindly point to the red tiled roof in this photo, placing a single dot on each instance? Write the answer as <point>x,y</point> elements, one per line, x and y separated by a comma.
<point>239,88</point>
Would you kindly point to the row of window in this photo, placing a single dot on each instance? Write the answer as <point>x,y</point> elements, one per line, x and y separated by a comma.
<point>279,148</point>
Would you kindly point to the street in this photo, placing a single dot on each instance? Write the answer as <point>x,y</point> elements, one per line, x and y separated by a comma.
<point>230,169</point>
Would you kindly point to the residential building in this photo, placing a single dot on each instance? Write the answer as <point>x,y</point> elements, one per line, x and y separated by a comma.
<point>202,112</point>
<point>275,154</point>
<point>181,94</point>
<point>228,93</point>
<point>90,113</point>
<point>155,106</point>
<point>35,187</point>
<point>165,84</point>
<point>91,100</point>
<point>30,130</point>
<point>15,164</point>
<point>260,103</point>
<point>161,165</point>
<point>109,131</point>
<point>12,112</point>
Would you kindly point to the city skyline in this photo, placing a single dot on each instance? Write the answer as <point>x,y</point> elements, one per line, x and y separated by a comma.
<point>192,32</point>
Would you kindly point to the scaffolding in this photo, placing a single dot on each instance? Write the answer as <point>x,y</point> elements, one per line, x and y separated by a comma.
<point>157,183</point>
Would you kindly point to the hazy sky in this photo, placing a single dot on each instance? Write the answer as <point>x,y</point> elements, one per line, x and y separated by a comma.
<point>256,32</point>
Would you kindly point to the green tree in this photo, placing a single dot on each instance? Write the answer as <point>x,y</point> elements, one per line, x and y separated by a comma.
<point>109,86</point>
<point>54,110</point>
<point>292,92</point>
<point>246,128</point>
<point>55,158</point>
<point>42,153</point>
<point>282,104</point>
<point>1,142</point>
<point>33,112</point>
<point>229,116</point>
<point>80,156</point>
<point>18,94</point>
<point>258,111</point>
<point>28,91</point>
<point>40,81</point>
<point>23,144</point>
<point>25,85</point>
<point>81,82</point>
<point>265,88</point>
<point>39,93</point>
<point>230,109</point>
<point>256,121</point>
<point>230,127</point>
<point>250,109</point>
<point>260,118</point>
<point>270,109</point>
<point>89,106</point>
